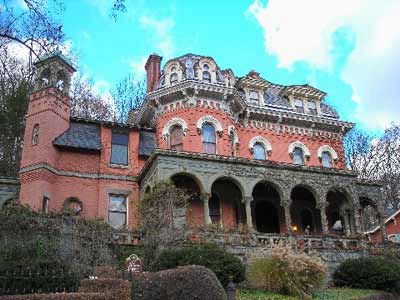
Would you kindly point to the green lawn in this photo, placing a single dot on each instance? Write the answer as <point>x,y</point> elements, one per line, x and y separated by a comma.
<point>328,294</point>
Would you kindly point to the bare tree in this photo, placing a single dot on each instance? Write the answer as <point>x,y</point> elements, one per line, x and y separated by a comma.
<point>85,103</point>
<point>377,158</point>
<point>32,24</point>
<point>128,96</point>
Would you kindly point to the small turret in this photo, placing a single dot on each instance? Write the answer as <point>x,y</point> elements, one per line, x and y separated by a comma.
<point>53,70</point>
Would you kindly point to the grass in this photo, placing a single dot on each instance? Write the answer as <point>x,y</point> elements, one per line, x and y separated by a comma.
<point>328,294</point>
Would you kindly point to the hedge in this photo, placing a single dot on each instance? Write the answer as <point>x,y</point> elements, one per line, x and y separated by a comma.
<point>189,283</point>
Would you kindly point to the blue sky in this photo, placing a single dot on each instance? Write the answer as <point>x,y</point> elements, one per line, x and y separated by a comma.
<point>350,49</point>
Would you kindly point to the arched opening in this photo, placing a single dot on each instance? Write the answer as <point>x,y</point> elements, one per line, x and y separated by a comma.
<point>298,156</point>
<point>259,151</point>
<point>194,213</point>
<point>215,209</point>
<point>340,221</point>
<point>45,78</point>
<point>232,210</point>
<point>369,214</point>
<point>326,159</point>
<point>61,80</point>
<point>306,218</point>
<point>267,213</point>
<point>176,138</point>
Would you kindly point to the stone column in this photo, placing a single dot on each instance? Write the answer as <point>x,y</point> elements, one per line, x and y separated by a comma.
<point>382,227</point>
<point>357,220</point>
<point>346,218</point>
<point>288,218</point>
<point>324,219</point>
<point>206,209</point>
<point>249,219</point>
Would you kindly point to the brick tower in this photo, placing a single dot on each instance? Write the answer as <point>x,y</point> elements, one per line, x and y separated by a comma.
<point>47,117</point>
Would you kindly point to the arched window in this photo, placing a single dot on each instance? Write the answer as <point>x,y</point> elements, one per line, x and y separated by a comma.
<point>35,134</point>
<point>176,138</point>
<point>326,159</point>
<point>259,151</point>
<point>209,139</point>
<point>253,95</point>
<point>298,156</point>
<point>173,78</point>
<point>206,73</point>
<point>298,104</point>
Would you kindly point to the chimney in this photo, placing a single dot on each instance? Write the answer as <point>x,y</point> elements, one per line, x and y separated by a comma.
<point>153,71</point>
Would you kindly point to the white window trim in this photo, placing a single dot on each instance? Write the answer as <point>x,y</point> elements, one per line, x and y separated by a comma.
<point>211,120</point>
<point>171,123</point>
<point>261,140</point>
<point>329,149</point>
<point>298,144</point>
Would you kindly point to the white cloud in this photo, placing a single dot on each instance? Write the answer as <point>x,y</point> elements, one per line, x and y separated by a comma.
<point>160,33</point>
<point>137,67</point>
<point>298,31</point>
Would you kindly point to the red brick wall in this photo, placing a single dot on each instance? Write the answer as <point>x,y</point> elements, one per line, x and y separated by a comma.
<point>280,142</point>
<point>392,227</point>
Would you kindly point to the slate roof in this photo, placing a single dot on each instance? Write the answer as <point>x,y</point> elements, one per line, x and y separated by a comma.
<point>329,111</point>
<point>147,142</point>
<point>80,136</point>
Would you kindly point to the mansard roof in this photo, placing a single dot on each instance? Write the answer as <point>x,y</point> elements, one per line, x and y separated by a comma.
<point>82,136</point>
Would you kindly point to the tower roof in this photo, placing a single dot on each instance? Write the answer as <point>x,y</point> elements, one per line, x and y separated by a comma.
<point>57,54</point>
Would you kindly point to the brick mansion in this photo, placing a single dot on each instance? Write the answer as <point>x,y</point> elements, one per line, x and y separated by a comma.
<point>252,153</point>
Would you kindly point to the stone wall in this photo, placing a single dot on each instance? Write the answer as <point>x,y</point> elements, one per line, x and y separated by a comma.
<point>9,189</point>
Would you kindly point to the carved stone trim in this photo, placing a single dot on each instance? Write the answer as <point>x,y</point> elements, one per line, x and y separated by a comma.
<point>211,120</point>
<point>171,123</point>
<point>329,149</point>
<point>263,141</point>
<point>300,145</point>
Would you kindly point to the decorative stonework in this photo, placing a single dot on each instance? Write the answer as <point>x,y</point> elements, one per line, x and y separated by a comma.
<point>211,120</point>
<point>233,135</point>
<point>173,122</point>
<point>329,149</point>
<point>263,141</point>
<point>300,145</point>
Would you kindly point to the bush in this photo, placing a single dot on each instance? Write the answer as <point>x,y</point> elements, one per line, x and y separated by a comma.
<point>222,263</point>
<point>378,273</point>
<point>287,271</point>
<point>189,283</point>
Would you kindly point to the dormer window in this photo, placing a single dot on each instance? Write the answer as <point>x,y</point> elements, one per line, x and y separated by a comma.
<point>253,95</point>
<point>298,104</point>
<point>174,76</point>
<point>206,73</point>
<point>312,108</point>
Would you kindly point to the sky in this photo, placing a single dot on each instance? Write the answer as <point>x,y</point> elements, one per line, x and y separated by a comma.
<point>349,49</point>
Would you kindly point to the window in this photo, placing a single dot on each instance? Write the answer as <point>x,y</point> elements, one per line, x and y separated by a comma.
<point>119,148</point>
<point>299,105</point>
<point>312,108</point>
<point>45,205</point>
<point>174,78</point>
<point>175,138</point>
<point>298,156</point>
<point>35,134</point>
<point>207,76</point>
<point>117,211</point>
<point>215,211</point>
<point>253,96</point>
<point>326,160</point>
<point>209,140</point>
<point>259,151</point>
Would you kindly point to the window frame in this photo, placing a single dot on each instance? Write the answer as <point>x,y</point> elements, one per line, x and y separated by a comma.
<point>299,109</point>
<point>127,148</point>
<point>45,204</point>
<point>35,134</point>
<point>258,144</point>
<point>303,161</point>
<point>312,111</point>
<point>209,76</point>
<point>328,154</point>
<point>172,147</point>
<point>116,195</point>
<point>252,99</point>
<point>204,143</point>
